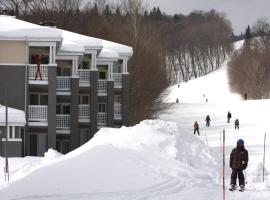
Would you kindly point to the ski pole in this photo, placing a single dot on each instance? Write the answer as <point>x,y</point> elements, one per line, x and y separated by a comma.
<point>246,176</point>
<point>223,168</point>
<point>264,154</point>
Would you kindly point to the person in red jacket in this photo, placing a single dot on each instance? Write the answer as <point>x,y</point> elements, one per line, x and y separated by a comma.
<point>238,163</point>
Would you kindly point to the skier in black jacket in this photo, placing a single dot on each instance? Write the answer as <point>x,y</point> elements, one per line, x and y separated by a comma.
<point>238,163</point>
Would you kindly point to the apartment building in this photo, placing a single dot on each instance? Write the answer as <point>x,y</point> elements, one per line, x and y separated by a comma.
<point>69,85</point>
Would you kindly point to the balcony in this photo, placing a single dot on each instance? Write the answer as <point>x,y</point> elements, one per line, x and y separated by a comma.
<point>38,76</point>
<point>62,121</point>
<point>84,111</point>
<point>84,75</point>
<point>63,83</point>
<point>117,111</point>
<point>102,119</point>
<point>102,87</point>
<point>38,113</point>
<point>117,77</point>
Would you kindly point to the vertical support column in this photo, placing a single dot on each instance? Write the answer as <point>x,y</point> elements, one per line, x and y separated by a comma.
<point>110,103</point>
<point>25,149</point>
<point>94,61</point>
<point>52,107</point>
<point>93,100</point>
<point>74,118</point>
<point>125,84</point>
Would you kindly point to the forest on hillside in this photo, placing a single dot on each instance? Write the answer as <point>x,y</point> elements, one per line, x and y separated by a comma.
<point>249,68</point>
<point>168,49</point>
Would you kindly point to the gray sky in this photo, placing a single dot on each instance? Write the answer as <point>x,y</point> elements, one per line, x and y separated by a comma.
<point>240,12</point>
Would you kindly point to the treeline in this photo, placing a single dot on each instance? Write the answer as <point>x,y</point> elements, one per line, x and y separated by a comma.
<point>249,68</point>
<point>167,49</point>
<point>201,41</point>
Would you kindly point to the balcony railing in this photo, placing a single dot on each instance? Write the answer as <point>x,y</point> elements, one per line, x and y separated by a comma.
<point>62,121</point>
<point>102,86</point>
<point>37,113</point>
<point>84,75</point>
<point>102,119</point>
<point>117,79</point>
<point>84,111</point>
<point>35,74</point>
<point>63,83</point>
<point>117,111</point>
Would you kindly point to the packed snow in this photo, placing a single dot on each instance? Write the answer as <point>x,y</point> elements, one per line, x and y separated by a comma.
<point>15,116</point>
<point>156,159</point>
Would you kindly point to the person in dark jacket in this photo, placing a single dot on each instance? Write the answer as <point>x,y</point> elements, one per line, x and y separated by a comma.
<point>196,128</point>
<point>229,116</point>
<point>236,124</point>
<point>238,163</point>
<point>207,119</point>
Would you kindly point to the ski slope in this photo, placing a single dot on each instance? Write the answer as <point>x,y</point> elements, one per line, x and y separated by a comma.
<point>156,159</point>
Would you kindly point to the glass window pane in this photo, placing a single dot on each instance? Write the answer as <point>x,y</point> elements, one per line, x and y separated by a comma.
<point>84,99</point>
<point>43,99</point>
<point>66,109</point>
<point>33,99</point>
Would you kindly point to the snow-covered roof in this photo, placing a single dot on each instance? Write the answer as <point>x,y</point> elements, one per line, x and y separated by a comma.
<point>108,54</point>
<point>120,48</point>
<point>85,41</point>
<point>15,116</point>
<point>12,28</point>
<point>71,47</point>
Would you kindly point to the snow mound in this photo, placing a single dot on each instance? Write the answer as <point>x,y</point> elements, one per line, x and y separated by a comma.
<point>50,156</point>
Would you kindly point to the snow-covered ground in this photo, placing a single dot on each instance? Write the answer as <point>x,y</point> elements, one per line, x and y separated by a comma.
<point>156,159</point>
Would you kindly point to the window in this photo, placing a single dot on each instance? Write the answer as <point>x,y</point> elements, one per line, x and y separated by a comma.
<point>34,99</point>
<point>117,67</point>
<point>86,62</point>
<point>63,71</point>
<point>63,109</point>
<point>102,107</point>
<point>117,99</point>
<point>102,75</point>
<point>84,99</point>
<point>14,133</point>
<point>35,52</point>
<point>38,99</point>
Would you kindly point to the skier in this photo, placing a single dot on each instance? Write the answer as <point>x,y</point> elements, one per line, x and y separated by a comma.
<point>245,96</point>
<point>229,116</point>
<point>196,128</point>
<point>177,100</point>
<point>236,124</point>
<point>207,119</point>
<point>238,163</point>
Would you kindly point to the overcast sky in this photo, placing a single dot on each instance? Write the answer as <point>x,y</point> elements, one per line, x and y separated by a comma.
<point>241,12</point>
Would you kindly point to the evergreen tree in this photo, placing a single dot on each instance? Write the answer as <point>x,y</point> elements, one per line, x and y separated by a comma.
<point>248,36</point>
<point>107,12</point>
<point>117,12</point>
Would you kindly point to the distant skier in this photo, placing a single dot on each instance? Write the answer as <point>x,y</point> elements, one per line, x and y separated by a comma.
<point>238,163</point>
<point>236,124</point>
<point>207,119</point>
<point>196,128</point>
<point>177,100</point>
<point>245,96</point>
<point>229,116</point>
<point>206,100</point>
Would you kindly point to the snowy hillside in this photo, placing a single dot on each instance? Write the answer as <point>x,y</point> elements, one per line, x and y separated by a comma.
<point>156,159</point>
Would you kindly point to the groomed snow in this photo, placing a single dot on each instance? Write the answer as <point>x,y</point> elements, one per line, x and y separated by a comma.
<point>157,159</point>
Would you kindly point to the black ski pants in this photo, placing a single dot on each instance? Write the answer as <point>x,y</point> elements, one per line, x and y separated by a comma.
<point>241,178</point>
<point>196,129</point>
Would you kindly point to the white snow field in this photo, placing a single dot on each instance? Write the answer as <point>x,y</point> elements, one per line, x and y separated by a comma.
<point>156,159</point>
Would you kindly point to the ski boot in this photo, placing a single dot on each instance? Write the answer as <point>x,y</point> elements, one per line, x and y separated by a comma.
<point>233,187</point>
<point>242,188</point>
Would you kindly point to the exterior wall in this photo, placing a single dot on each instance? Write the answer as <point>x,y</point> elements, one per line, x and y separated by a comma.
<point>93,100</point>
<point>14,148</point>
<point>75,136</point>
<point>110,103</point>
<point>12,52</point>
<point>52,107</point>
<point>125,84</point>
<point>12,80</point>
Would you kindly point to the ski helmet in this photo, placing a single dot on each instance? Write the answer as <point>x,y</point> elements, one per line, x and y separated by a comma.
<point>240,141</point>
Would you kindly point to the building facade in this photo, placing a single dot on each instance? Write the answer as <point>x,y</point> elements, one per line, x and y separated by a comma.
<point>69,85</point>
